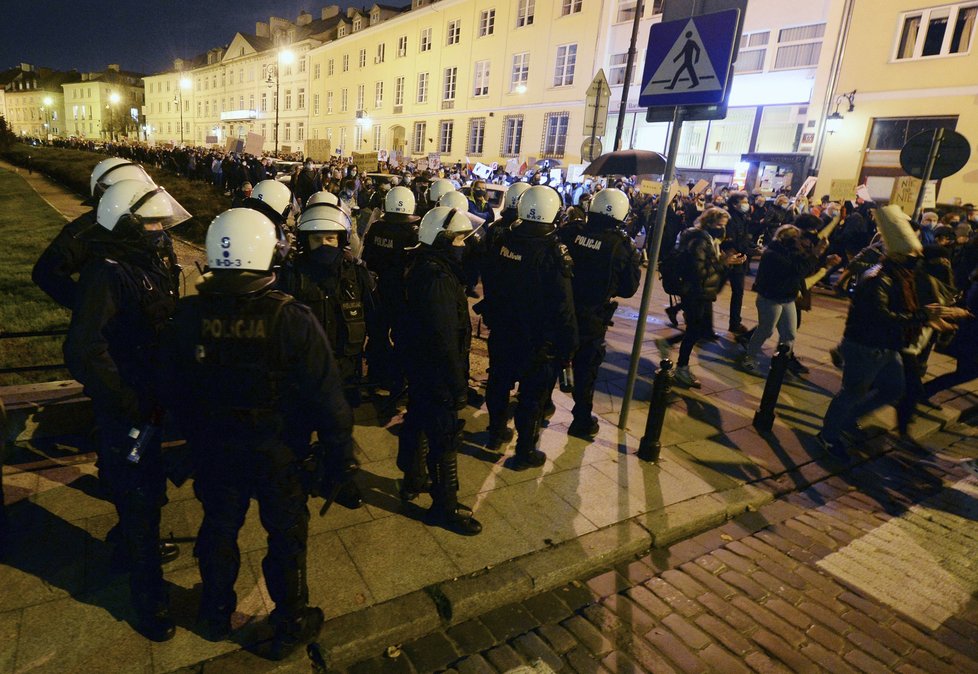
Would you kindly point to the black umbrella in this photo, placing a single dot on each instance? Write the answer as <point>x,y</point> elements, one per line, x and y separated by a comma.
<point>627,163</point>
<point>549,163</point>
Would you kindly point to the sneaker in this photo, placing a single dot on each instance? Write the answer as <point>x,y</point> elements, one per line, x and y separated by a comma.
<point>833,448</point>
<point>738,328</point>
<point>685,378</point>
<point>747,363</point>
<point>795,366</point>
<point>835,353</point>
<point>532,458</point>
<point>584,428</point>
<point>291,634</point>
<point>664,347</point>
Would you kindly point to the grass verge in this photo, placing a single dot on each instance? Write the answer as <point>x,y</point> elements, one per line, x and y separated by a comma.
<point>27,225</point>
<point>73,169</point>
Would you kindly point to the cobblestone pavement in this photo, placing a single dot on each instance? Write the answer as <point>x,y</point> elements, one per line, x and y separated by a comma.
<point>874,570</point>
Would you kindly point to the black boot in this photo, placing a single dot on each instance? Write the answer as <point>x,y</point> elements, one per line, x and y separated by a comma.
<point>153,618</point>
<point>672,313</point>
<point>412,455</point>
<point>445,510</point>
<point>296,632</point>
<point>585,428</point>
<point>214,623</point>
<point>349,495</point>
<point>549,409</point>
<point>499,437</point>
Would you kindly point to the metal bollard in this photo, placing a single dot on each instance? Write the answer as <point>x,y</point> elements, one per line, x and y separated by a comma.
<point>764,418</point>
<point>650,447</point>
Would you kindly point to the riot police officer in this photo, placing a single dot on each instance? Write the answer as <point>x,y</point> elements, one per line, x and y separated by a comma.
<point>272,199</point>
<point>337,286</point>
<point>433,195</point>
<point>508,215</point>
<point>248,371</point>
<point>438,336</point>
<point>384,246</point>
<point>529,309</point>
<point>70,250</point>
<point>606,265</point>
<point>121,304</point>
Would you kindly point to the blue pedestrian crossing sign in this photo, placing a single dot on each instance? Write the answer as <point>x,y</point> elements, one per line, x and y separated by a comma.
<point>688,60</point>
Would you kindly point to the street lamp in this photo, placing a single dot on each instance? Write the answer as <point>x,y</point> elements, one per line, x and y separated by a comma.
<point>48,102</point>
<point>834,121</point>
<point>114,99</point>
<point>285,57</point>
<point>183,84</point>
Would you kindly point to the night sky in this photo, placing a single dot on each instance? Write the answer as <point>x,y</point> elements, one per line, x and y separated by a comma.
<point>140,36</point>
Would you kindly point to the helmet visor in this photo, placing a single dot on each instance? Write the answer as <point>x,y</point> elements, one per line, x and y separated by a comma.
<point>158,206</point>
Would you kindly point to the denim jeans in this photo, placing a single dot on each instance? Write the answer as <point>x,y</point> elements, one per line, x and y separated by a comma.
<point>769,314</point>
<point>871,378</point>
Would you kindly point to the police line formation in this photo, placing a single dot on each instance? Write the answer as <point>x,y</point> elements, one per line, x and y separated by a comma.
<point>259,370</point>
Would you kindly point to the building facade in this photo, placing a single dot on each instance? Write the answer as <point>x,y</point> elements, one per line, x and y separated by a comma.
<point>33,100</point>
<point>913,65</point>
<point>105,105</point>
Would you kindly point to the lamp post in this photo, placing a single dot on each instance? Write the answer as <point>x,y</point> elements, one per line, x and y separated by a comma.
<point>48,102</point>
<point>183,84</point>
<point>114,99</point>
<point>285,57</point>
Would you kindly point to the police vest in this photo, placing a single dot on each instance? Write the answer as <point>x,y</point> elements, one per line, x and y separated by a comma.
<point>383,250</point>
<point>338,304</point>
<point>521,268</point>
<point>155,293</point>
<point>593,251</point>
<point>237,365</point>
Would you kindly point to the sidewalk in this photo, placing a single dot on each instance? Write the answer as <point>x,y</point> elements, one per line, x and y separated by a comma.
<point>381,576</point>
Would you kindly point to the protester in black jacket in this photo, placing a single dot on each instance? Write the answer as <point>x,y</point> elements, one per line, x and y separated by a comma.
<point>703,270</point>
<point>738,239</point>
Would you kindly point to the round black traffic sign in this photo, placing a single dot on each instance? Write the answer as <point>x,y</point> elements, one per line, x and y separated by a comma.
<point>952,155</point>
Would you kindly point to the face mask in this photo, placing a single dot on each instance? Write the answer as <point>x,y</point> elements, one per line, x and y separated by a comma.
<point>156,240</point>
<point>479,194</point>
<point>324,255</point>
<point>743,207</point>
<point>717,232</point>
<point>346,194</point>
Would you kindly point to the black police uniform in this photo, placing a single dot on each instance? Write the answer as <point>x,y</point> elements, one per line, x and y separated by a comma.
<point>529,309</point>
<point>341,292</point>
<point>249,373</point>
<point>606,265</point>
<point>383,252</point>
<point>438,335</point>
<point>112,349</point>
<point>64,256</point>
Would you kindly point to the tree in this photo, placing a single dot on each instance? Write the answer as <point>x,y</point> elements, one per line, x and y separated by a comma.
<point>7,137</point>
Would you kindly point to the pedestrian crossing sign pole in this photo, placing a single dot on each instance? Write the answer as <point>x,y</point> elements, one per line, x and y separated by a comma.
<point>687,66</point>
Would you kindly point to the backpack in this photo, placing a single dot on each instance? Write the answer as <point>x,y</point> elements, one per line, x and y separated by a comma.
<point>671,265</point>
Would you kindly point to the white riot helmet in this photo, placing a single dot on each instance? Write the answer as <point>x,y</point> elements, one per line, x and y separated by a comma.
<point>275,197</point>
<point>513,194</point>
<point>325,218</point>
<point>323,197</point>
<point>127,205</point>
<point>443,220</point>
<point>116,174</point>
<point>101,168</point>
<point>440,188</point>
<point>242,239</point>
<point>455,200</point>
<point>539,204</point>
<point>399,200</point>
<point>611,202</point>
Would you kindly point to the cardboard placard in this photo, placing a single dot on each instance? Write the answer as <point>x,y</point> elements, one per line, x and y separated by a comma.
<point>513,166</point>
<point>254,142</point>
<point>842,189</point>
<point>700,186</point>
<point>382,155</point>
<point>556,175</point>
<point>366,162</point>
<point>807,186</point>
<point>421,165</point>
<point>319,149</point>
<point>650,187</point>
<point>434,160</point>
<point>862,192</point>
